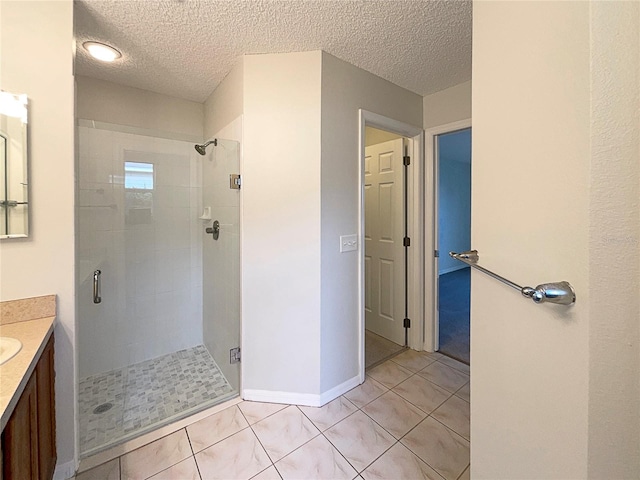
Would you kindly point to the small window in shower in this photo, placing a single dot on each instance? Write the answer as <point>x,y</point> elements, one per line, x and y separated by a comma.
<point>138,184</point>
<point>138,175</point>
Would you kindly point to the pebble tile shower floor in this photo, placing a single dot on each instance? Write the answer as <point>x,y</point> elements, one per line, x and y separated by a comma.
<point>146,394</point>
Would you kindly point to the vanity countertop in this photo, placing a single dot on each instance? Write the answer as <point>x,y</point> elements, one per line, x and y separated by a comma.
<point>15,373</point>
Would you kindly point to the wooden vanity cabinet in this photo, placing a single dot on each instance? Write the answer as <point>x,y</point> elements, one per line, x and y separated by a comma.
<point>20,437</point>
<point>45,376</point>
<point>29,438</point>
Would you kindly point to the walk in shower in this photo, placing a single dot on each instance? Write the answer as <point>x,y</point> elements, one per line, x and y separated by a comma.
<point>158,292</point>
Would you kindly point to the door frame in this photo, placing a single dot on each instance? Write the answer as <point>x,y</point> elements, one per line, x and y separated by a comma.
<point>415,228</point>
<point>432,323</point>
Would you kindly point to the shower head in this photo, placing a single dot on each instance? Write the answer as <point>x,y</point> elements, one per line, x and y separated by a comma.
<point>201,149</point>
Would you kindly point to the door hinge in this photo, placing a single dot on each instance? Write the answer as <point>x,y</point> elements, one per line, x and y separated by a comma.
<point>407,323</point>
<point>235,181</point>
<point>436,253</point>
<point>406,242</point>
<point>234,355</point>
<point>406,160</point>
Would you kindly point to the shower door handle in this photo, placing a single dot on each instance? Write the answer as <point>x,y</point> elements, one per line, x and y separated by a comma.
<point>96,287</point>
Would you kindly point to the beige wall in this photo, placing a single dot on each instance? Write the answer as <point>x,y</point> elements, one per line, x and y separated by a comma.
<point>447,106</point>
<point>614,242</point>
<point>296,203</point>
<point>555,389</point>
<point>345,90</point>
<point>374,136</point>
<point>226,102</point>
<point>37,39</point>
<point>281,226</point>
<point>112,103</point>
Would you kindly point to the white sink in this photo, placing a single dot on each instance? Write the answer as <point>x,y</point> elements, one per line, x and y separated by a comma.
<point>8,348</point>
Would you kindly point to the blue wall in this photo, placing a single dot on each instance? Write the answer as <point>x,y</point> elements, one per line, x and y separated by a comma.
<point>454,207</point>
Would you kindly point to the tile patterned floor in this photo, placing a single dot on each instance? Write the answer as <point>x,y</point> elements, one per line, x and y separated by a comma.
<point>409,420</point>
<point>147,394</point>
<point>377,349</point>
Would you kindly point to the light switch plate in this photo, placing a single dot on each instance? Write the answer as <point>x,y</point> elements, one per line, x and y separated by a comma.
<point>348,243</point>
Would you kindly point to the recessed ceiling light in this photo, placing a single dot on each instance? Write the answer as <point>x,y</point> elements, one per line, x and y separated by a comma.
<point>102,52</point>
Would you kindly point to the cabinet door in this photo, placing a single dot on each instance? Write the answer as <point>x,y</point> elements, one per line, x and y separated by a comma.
<point>46,413</point>
<point>20,437</point>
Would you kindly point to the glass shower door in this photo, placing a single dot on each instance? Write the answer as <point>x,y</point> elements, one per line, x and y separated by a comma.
<point>147,354</point>
<point>221,257</point>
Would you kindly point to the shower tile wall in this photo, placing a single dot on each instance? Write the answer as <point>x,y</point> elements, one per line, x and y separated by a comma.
<point>146,241</point>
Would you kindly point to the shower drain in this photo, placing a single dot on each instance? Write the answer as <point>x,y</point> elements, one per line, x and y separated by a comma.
<point>103,408</point>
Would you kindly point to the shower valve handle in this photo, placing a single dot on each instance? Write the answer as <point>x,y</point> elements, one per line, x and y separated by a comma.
<point>214,230</point>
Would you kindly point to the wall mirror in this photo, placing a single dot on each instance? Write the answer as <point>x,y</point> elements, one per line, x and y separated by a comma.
<point>14,191</point>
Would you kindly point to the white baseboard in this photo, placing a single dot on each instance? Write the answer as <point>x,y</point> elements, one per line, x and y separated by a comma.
<point>305,399</point>
<point>288,398</point>
<point>338,390</point>
<point>453,269</point>
<point>64,471</point>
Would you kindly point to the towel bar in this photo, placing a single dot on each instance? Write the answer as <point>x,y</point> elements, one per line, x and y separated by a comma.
<point>560,293</point>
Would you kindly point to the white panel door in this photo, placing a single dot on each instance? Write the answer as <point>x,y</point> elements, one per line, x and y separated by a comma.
<point>383,239</point>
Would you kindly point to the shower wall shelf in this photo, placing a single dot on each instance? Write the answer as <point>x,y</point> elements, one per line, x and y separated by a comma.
<point>206,214</point>
<point>560,293</point>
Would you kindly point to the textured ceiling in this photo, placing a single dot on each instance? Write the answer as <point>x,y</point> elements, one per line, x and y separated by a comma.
<point>185,48</point>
